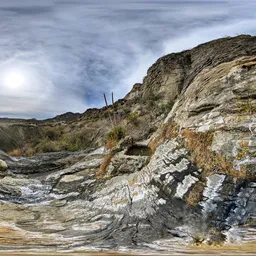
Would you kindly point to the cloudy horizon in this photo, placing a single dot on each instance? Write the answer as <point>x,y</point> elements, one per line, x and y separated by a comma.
<point>58,56</point>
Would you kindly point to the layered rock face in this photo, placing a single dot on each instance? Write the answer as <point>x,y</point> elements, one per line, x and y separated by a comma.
<point>192,181</point>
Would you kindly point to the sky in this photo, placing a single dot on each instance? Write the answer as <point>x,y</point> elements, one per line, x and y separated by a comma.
<point>58,56</point>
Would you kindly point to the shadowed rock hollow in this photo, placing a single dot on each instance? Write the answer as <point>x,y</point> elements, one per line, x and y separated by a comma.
<point>184,172</point>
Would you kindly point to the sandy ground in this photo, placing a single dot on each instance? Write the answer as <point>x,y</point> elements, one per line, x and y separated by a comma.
<point>243,250</point>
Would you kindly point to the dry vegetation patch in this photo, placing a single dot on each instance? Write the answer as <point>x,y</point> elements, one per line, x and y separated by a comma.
<point>195,195</point>
<point>105,163</point>
<point>169,130</point>
<point>18,152</point>
<point>199,146</point>
<point>114,136</point>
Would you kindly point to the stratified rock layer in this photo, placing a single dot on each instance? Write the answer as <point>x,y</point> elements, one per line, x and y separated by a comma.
<point>69,208</point>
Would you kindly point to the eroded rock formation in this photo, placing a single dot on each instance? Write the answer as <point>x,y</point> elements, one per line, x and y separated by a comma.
<point>192,181</point>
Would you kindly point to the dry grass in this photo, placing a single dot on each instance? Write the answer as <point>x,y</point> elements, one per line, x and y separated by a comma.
<point>195,194</point>
<point>247,107</point>
<point>105,163</point>
<point>18,152</point>
<point>168,131</point>
<point>156,142</point>
<point>227,248</point>
<point>244,143</point>
<point>111,143</point>
<point>243,152</point>
<point>29,152</point>
<point>199,145</point>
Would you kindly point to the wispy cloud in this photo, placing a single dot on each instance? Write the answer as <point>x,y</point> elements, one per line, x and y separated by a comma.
<point>71,51</point>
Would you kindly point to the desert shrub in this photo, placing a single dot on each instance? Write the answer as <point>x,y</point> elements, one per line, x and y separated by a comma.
<point>166,108</point>
<point>126,110</point>
<point>53,133</point>
<point>198,239</point>
<point>248,107</point>
<point>56,141</point>
<point>74,141</point>
<point>83,139</point>
<point>30,151</point>
<point>68,142</point>
<point>47,146</point>
<point>18,152</point>
<point>117,133</point>
<point>242,153</point>
<point>133,118</point>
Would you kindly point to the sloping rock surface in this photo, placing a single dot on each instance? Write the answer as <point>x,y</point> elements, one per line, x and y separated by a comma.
<point>70,209</point>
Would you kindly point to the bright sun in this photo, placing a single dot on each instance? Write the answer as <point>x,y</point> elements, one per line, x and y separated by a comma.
<point>14,80</point>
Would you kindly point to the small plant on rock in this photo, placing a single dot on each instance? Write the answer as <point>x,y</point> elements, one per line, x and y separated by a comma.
<point>133,118</point>
<point>198,239</point>
<point>117,133</point>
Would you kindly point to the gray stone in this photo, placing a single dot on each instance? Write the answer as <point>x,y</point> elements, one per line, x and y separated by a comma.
<point>185,185</point>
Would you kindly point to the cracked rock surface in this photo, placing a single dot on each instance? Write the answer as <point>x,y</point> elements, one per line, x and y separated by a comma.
<point>71,209</point>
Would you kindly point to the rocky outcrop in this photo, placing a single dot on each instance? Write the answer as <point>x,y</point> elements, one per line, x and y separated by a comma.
<point>146,209</point>
<point>192,182</point>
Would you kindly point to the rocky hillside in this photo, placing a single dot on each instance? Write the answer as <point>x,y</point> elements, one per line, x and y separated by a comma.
<point>141,112</point>
<point>177,167</point>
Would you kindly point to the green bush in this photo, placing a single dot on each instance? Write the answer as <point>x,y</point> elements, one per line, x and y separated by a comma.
<point>133,118</point>
<point>167,107</point>
<point>55,141</point>
<point>75,141</point>
<point>47,146</point>
<point>53,133</point>
<point>117,133</point>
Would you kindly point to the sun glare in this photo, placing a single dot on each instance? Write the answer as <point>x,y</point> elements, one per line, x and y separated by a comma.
<point>14,80</point>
